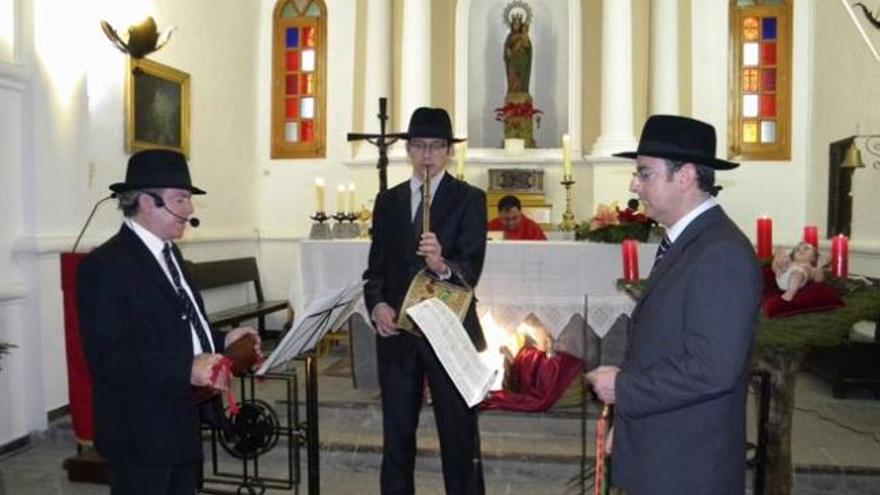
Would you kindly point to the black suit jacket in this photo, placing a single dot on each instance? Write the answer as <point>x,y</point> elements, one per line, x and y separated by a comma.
<point>458,218</point>
<point>140,353</point>
<point>680,416</point>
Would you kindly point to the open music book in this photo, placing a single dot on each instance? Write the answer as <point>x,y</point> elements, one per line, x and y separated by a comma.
<point>454,349</point>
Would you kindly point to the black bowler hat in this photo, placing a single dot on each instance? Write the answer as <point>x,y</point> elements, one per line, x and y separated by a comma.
<point>679,138</point>
<point>156,169</point>
<point>430,123</point>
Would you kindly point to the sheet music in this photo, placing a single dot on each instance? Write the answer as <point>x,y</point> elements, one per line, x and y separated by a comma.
<point>324,313</point>
<point>453,347</point>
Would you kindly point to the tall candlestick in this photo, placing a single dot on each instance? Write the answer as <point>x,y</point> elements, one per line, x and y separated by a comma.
<point>340,197</point>
<point>811,235</point>
<point>630,250</point>
<point>319,193</point>
<point>460,156</point>
<point>840,256</point>
<point>765,237</point>
<point>351,197</point>
<point>566,157</point>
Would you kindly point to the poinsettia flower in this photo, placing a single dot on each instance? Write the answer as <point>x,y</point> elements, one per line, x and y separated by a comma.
<point>606,215</point>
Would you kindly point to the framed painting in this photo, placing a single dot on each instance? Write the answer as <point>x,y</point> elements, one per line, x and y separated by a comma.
<point>866,16</point>
<point>156,107</point>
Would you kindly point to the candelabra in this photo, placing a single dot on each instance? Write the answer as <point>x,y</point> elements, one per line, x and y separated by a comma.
<point>320,230</point>
<point>568,224</point>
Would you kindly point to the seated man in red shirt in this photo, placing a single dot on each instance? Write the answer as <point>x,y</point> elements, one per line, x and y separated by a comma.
<point>515,225</point>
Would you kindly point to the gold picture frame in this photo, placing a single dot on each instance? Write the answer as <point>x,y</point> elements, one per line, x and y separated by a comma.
<point>157,103</point>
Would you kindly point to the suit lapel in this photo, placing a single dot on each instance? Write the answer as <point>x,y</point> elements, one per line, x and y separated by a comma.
<point>144,258</point>
<point>674,255</point>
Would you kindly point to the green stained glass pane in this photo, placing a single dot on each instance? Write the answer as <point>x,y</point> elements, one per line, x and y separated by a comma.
<point>773,2</point>
<point>745,3</point>
<point>289,11</point>
<point>314,10</point>
<point>301,4</point>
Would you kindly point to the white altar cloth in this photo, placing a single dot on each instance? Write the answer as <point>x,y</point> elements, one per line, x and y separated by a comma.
<point>547,279</point>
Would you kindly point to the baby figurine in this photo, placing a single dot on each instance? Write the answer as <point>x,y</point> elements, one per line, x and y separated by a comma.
<point>794,269</point>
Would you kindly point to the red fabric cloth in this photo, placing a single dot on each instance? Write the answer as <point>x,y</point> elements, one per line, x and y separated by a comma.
<point>811,298</point>
<point>79,381</point>
<point>540,380</point>
<point>528,230</point>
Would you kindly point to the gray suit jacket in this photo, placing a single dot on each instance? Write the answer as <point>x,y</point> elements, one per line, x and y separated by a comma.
<point>680,416</point>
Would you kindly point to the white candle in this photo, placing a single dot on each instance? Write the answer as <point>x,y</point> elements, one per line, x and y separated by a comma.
<point>460,156</point>
<point>319,193</point>
<point>566,157</point>
<point>340,198</point>
<point>351,196</point>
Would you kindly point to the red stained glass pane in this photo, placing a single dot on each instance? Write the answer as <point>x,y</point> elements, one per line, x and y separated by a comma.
<point>292,63</point>
<point>307,130</point>
<point>292,108</point>
<point>768,53</point>
<point>291,85</point>
<point>750,81</point>
<point>308,34</point>
<point>306,84</point>
<point>768,80</point>
<point>768,105</point>
<point>750,28</point>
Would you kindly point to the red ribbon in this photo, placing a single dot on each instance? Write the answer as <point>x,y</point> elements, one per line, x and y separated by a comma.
<point>221,372</point>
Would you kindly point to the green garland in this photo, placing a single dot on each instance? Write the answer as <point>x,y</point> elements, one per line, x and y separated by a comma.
<point>808,330</point>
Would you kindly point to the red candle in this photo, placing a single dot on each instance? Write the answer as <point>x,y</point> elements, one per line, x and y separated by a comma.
<point>811,235</point>
<point>630,250</point>
<point>765,237</point>
<point>840,256</point>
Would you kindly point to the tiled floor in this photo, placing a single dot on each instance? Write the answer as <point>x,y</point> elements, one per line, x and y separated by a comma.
<point>836,448</point>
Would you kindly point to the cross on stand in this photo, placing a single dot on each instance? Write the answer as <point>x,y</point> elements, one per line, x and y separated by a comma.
<point>382,141</point>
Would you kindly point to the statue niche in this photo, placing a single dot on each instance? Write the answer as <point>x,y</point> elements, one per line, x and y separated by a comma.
<point>518,111</point>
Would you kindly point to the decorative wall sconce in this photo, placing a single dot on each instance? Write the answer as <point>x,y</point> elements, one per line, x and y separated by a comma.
<point>143,38</point>
<point>852,159</point>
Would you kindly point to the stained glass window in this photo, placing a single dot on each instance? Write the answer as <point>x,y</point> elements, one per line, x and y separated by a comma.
<point>299,79</point>
<point>760,48</point>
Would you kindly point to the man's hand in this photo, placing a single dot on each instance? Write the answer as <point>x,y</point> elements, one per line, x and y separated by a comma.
<point>240,332</point>
<point>603,380</point>
<point>386,320</point>
<point>432,251</point>
<point>203,368</point>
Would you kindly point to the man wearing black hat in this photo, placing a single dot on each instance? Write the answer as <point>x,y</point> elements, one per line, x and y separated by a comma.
<point>145,336</point>
<point>453,250</point>
<point>680,396</point>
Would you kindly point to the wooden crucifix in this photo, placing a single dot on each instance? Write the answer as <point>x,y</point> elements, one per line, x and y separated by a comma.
<point>382,141</point>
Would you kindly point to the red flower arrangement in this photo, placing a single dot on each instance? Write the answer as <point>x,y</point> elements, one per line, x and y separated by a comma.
<point>613,224</point>
<point>510,110</point>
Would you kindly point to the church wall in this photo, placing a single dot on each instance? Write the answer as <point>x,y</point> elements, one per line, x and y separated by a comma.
<point>845,102</point>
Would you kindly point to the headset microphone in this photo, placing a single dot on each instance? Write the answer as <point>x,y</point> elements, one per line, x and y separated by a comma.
<point>160,203</point>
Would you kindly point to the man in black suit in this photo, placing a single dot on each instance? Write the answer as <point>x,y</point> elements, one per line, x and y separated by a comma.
<point>145,335</point>
<point>680,396</point>
<point>453,250</point>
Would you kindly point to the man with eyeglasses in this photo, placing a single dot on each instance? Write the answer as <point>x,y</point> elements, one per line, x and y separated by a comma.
<point>680,395</point>
<point>453,250</point>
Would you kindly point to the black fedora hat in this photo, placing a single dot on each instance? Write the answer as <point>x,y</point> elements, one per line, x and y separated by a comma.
<point>156,169</point>
<point>679,138</point>
<point>430,123</point>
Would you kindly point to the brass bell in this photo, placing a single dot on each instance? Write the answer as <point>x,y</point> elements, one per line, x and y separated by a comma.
<point>853,157</point>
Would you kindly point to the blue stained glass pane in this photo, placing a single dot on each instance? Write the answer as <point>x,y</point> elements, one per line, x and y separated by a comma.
<point>292,37</point>
<point>768,31</point>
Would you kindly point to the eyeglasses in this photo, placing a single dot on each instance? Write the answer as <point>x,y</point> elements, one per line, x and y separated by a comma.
<point>644,174</point>
<point>432,146</point>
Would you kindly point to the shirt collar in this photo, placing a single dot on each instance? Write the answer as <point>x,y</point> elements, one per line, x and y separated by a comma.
<point>415,182</point>
<point>152,241</point>
<point>678,227</point>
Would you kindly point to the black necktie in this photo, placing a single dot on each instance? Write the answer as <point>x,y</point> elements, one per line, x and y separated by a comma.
<point>661,250</point>
<point>417,219</point>
<point>189,309</point>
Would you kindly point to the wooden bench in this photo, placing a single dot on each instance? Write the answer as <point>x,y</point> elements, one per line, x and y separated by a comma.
<point>223,273</point>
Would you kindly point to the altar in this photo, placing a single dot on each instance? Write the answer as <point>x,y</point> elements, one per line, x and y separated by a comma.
<point>549,280</point>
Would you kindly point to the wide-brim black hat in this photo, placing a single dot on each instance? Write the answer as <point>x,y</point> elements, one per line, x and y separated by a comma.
<point>156,169</point>
<point>679,138</point>
<point>430,123</point>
